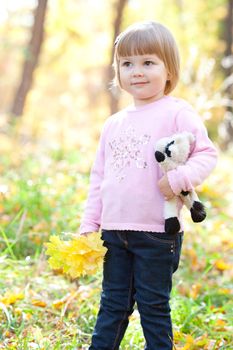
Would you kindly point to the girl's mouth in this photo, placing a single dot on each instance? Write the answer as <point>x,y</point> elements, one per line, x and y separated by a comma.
<point>140,83</point>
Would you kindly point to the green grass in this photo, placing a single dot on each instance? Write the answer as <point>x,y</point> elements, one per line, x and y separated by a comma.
<point>44,200</point>
<point>25,326</point>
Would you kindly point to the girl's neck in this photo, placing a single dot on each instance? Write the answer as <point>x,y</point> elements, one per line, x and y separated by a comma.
<point>139,107</point>
<point>142,102</point>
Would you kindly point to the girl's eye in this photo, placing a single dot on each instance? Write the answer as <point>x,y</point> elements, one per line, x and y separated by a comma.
<point>126,64</point>
<point>148,63</point>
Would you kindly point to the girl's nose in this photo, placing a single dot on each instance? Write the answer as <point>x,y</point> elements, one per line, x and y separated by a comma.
<point>137,72</point>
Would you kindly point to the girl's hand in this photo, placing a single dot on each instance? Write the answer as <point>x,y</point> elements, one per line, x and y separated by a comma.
<point>76,235</point>
<point>85,233</point>
<point>165,188</point>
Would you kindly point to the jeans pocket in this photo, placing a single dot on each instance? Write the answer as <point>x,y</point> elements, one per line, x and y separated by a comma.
<point>163,238</point>
<point>163,243</point>
<point>110,237</point>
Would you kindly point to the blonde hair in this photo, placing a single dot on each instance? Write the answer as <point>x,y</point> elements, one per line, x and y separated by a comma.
<point>149,38</point>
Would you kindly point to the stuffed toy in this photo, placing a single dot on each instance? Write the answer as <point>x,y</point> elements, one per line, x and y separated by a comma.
<point>171,152</point>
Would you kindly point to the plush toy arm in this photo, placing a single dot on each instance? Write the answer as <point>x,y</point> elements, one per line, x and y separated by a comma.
<point>186,198</point>
<point>193,203</point>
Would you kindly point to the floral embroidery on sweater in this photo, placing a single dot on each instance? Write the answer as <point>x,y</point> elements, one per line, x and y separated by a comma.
<point>127,150</point>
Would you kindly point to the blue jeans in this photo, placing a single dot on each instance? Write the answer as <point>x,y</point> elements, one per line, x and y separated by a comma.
<point>138,267</point>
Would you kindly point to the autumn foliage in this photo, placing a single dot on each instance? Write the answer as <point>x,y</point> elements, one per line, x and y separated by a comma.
<point>78,256</point>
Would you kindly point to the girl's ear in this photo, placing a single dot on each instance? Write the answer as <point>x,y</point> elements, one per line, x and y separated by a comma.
<point>169,76</point>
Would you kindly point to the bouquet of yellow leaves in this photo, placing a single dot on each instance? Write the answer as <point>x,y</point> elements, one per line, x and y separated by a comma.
<point>78,256</point>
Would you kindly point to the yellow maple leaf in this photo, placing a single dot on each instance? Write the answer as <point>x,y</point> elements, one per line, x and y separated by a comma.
<point>11,298</point>
<point>221,265</point>
<point>82,255</point>
<point>220,324</point>
<point>195,290</point>
<point>225,291</point>
<point>189,342</point>
<point>57,304</point>
<point>38,302</point>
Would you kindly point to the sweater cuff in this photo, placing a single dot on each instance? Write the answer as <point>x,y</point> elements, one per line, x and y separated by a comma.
<point>178,180</point>
<point>88,228</point>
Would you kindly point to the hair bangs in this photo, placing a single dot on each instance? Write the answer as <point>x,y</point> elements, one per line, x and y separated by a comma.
<point>137,43</point>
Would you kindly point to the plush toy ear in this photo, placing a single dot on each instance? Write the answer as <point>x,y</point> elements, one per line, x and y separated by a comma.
<point>185,135</point>
<point>190,137</point>
<point>178,138</point>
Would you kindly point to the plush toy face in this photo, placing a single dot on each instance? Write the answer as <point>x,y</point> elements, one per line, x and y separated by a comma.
<point>174,150</point>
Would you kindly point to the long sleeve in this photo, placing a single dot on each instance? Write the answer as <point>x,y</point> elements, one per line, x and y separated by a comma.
<point>123,194</point>
<point>91,219</point>
<point>203,155</point>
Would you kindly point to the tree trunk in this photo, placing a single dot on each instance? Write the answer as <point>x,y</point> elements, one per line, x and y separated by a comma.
<point>113,96</point>
<point>31,59</point>
<point>228,37</point>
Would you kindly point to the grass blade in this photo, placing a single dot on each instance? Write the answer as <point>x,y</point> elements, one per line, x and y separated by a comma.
<point>5,311</point>
<point>9,246</point>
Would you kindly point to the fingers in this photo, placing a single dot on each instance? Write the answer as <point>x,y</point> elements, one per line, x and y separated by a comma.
<point>168,197</point>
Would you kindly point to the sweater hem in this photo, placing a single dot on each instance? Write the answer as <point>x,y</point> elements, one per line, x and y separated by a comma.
<point>133,227</point>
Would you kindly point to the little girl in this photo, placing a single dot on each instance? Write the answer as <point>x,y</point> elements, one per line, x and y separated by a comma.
<point>127,188</point>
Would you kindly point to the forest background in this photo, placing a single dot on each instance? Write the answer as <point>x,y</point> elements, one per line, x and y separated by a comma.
<point>55,64</point>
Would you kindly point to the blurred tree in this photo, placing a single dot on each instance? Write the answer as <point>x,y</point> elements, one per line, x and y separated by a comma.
<point>119,10</point>
<point>228,72</point>
<point>31,59</point>
<point>76,62</point>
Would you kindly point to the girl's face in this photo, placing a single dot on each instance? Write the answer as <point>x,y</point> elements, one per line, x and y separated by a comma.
<point>144,77</point>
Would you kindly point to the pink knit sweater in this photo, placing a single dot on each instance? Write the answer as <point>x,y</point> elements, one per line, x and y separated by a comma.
<point>123,192</point>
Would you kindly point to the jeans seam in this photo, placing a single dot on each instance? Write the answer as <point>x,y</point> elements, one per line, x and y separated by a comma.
<point>122,240</point>
<point>177,255</point>
<point>125,314</point>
